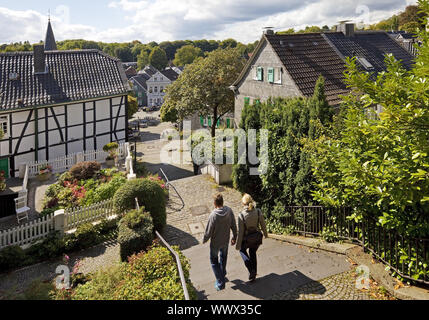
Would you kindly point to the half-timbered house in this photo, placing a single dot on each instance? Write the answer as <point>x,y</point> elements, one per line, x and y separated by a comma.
<point>54,103</point>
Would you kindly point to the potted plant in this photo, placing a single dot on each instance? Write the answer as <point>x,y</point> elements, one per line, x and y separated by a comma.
<point>111,148</point>
<point>2,181</point>
<point>45,173</point>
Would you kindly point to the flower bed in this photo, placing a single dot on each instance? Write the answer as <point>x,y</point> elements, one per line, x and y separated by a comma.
<point>83,185</point>
<point>150,275</point>
<point>2,181</point>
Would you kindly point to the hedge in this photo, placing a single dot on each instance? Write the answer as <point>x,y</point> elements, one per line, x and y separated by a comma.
<point>150,195</point>
<point>135,233</point>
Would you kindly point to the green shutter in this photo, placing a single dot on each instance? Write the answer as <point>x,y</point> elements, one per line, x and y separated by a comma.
<point>218,123</point>
<point>246,101</point>
<point>228,123</point>
<point>260,74</point>
<point>210,121</point>
<point>202,121</point>
<point>271,75</point>
<point>257,102</point>
<point>4,166</point>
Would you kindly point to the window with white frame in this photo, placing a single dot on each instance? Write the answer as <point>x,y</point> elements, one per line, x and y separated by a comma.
<point>156,89</point>
<point>4,125</point>
<point>150,102</point>
<point>255,73</point>
<point>150,90</point>
<point>278,75</point>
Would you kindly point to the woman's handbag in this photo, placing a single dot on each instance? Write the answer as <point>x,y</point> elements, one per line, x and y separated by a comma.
<point>253,238</point>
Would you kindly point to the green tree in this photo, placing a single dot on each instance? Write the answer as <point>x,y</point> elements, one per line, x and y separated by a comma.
<point>378,163</point>
<point>410,27</point>
<point>124,53</point>
<point>142,60</point>
<point>203,87</point>
<point>186,55</point>
<point>158,58</point>
<point>228,43</point>
<point>133,106</point>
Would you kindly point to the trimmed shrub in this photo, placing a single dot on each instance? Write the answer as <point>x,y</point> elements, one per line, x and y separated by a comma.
<point>135,233</point>
<point>85,170</point>
<point>150,195</point>
<point>11,257</point>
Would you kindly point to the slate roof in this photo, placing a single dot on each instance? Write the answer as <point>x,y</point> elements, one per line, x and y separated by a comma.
<point>373,46</point>
<point>130,72</point>
<point>72,76</point>
<point>141,79</point>
<point>170,74</point>
<point>50,43</point>
<point>149,70</point>
<point>306,57</point>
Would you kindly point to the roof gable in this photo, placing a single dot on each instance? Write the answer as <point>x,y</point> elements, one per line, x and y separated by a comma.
<point>308,56</point>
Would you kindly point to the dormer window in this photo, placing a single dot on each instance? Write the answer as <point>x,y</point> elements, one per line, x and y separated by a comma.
<point>365,63</point>
<point>13,76</point>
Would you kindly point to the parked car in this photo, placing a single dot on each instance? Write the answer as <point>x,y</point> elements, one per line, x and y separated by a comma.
<point>143,123</point>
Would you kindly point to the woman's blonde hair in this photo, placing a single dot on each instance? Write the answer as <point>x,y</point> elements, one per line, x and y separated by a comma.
<point>248,201</point>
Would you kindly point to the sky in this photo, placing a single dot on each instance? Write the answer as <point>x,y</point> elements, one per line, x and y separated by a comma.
<point>161,20</point>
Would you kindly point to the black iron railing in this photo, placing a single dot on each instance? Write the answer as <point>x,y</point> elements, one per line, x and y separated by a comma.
<point>407,256</point>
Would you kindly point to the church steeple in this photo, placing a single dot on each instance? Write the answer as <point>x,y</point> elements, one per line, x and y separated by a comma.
<point>50,43</point>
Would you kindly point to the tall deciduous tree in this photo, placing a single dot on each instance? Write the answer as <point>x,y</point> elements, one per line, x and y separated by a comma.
<point>158,58</point>
<point>186,55</point>
<point>142,60</point>
<point>203,87</point>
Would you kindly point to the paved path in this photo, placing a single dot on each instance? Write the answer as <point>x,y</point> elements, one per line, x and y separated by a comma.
<point>150,145</point>
<point>282,267</point>
<point>286,271</point>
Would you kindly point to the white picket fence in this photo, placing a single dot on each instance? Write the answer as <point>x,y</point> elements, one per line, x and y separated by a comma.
<point>64,163</point>
<point>81,215</point>
<point>28,233</point>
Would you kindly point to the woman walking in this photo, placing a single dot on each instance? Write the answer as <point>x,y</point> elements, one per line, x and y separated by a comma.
<point>250,224</point>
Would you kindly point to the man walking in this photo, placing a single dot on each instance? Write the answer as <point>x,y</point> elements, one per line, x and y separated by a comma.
<point>221,221</point>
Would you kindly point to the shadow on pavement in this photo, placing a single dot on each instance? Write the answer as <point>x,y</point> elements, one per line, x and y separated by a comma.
<point>177,237</point>
<point>172,172</point>
<point>266,287</point>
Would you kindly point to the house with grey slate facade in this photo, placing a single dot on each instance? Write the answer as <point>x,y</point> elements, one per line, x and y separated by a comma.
<point>289,65</point>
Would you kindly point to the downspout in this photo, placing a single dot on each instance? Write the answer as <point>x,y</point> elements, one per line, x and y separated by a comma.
<point>36,135</point>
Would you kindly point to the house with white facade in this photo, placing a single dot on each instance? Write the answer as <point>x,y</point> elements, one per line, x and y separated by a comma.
<point>54,103</point>
<point>157,84</point>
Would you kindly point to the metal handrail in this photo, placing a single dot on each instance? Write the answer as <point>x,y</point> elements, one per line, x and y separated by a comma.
<point>179,265</point>
<point>169,184</point>
<point>175,255</point>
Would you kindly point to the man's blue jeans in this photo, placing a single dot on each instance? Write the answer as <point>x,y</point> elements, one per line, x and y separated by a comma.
<point>218,259</point>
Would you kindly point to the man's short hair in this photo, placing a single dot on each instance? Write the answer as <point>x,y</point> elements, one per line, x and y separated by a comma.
<point>218,200</point>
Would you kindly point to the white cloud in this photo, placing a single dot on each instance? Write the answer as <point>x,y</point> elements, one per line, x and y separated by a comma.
<point>159,20</point>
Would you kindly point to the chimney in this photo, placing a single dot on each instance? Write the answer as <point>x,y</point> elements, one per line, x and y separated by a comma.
<point>269,30</point>
<point>39,59</point>
<point>347,28</point>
